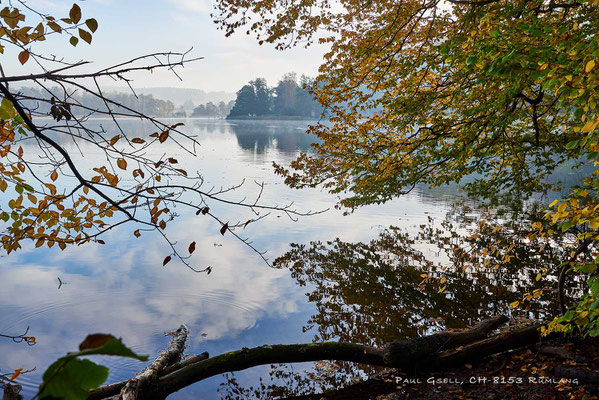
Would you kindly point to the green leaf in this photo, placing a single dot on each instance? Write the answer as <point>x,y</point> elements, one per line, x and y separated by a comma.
<point>72,379</point>
<point>113,347</point>
<point>470,60</point>
<point>572,144</point>
<point>567,225</point>
<point>569,315</point>
<point>7,110</point>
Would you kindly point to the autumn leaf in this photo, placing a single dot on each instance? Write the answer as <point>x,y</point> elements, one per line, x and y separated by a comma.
<point>588,67</point>
<point>122,163</point>
<point>85,35</point>
<point>54,175</point>
<point>15,374</point>
<point>163,136</point>
<point>224,229</point>
<point>167,259</point>
<point>192,247</point>
<point>23,57</point>
<point>75,13</point>
<point>92,24</point>
<point>95,340</point>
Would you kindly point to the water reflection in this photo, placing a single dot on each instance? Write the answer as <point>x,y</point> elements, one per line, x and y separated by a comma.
<point>359,288</point>
<point>402,285</point>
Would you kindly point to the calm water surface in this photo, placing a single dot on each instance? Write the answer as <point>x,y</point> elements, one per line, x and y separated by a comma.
<point>122,288</point>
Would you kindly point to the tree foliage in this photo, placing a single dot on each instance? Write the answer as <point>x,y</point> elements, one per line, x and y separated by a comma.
<point>288,98</point>
<point>492,93</point>
<point>51,196</point>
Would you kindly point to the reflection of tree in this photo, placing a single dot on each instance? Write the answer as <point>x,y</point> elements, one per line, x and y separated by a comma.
<point>390,288</point>
<point>260,136</point>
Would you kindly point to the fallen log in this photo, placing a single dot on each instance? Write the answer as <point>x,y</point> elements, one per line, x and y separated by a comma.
<point>582,375</point>
<point>422,354</point>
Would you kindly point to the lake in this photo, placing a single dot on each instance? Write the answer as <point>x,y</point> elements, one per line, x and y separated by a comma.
<point>122,288</point>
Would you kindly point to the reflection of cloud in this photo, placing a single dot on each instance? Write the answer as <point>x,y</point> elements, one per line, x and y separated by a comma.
<point>124,290</point>
<point>122,287</point>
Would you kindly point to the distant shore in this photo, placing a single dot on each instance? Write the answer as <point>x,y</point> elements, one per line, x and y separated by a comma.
<point>271,117</point>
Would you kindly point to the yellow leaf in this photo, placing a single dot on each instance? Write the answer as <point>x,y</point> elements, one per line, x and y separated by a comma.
<point>443,279</point>
<point>514,304</point>
<point>590,125</point>
<point>442,289</point>
<point>589,66</point>
<point>538,277</point>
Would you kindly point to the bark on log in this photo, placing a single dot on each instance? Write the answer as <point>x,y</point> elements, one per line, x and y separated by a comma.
<point>493,345</point>
<point>164,359</point>
<point>580,374</point>
<point>404,355</point>
<point>11,392</point>
<point>115,388</point>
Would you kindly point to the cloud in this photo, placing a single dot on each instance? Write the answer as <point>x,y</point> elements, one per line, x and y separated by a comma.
<point>198,6</point>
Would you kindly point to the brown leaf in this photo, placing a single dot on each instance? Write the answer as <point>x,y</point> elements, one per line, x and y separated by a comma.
<point>23,57</point>
<point>205,210</point>
<point>138,140</point>
<point>163,136</point>
<point>75,13</point>
<point>166,260</point>
<point>224,228</point>
<point>54,175</point>
<point>85,35</point>
<point>173,160</point>
<point>122,163</point>
<point>114,139</point>
<point>92,24</point>
<point>192,247</point>
<point>95,340</point>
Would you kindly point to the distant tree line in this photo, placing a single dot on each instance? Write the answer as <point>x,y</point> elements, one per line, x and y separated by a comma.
<point>288,98</point>
<point>213,110</point>
<point>145,104</point>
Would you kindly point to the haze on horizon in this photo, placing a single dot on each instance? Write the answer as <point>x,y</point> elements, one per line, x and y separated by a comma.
<point>136,27</point>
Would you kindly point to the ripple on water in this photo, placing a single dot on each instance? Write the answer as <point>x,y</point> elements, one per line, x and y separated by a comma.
<point>59,325</point>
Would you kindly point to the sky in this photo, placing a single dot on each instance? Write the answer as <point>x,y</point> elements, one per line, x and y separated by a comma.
<point>135,27</point>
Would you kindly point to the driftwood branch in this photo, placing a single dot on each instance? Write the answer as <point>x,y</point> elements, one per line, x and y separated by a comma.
<point>406,355</point>
<point>115,388</point>
<point>164,359</point>
<point>426,353</point>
